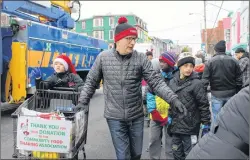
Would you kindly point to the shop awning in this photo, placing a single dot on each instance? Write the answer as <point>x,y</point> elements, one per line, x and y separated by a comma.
<point>240,45</point>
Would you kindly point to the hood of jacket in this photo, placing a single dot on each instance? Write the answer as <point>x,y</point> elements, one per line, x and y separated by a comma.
<point>169,75</point>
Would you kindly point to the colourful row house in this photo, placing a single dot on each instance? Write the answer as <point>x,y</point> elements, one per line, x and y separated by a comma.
<point>102,27</point>
<point>236,28</point>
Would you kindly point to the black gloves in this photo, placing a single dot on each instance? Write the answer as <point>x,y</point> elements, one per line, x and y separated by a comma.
<point>177,104</point>
<point>80,107</point>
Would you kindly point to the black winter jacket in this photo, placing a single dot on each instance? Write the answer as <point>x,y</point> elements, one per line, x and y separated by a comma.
<point>60,80</point>
<point>192,94</point>
<point>122,88</point>
<point>224,75</point>
<point>229,137</point>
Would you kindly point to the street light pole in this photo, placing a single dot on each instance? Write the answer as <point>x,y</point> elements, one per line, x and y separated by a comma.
<point>205,25</point>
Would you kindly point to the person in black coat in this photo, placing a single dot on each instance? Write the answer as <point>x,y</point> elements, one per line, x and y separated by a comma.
<point>229,137</point>
<point>224,75</point>
<point>190,90</point>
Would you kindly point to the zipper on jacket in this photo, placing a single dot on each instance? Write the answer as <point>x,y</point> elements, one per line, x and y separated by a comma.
<point>125,115</point>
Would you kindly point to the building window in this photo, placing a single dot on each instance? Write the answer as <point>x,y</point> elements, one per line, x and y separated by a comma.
<point>111,21</point>
<point>139,33</point>
<point>83,33</point>
<point>99,34</point>
<point>111,35</point>
<point>98,22</point>
<point>228,35</point>
<point>83,25</point>
<point>137,20</point>
<point>233,34</point>
<point>244,25</point>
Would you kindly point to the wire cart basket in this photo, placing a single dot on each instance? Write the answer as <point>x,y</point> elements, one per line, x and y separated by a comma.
<point>47,107</point>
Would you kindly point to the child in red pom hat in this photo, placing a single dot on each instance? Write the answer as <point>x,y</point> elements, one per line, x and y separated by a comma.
<point>65,75</point>
<point>62,63</point>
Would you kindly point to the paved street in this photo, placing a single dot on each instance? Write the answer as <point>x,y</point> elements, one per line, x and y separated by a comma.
<point>99,144</point>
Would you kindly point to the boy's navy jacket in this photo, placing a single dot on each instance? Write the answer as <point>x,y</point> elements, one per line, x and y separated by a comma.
<point>192,94</point>
<point>65,79</point>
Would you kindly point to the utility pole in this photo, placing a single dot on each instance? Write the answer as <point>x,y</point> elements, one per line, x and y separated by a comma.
<point>205,25</point>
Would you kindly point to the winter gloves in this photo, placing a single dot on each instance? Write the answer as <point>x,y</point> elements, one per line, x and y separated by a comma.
<point>157,117</point>
<point>169,120</point>
<point>169,127</point>
<point>80,107</point>
<point>205,129</point>
<point>177,103</point>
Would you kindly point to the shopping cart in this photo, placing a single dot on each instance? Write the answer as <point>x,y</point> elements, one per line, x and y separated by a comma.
<point>57,103</point>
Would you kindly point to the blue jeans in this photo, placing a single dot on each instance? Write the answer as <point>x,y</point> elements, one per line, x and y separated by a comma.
<point>127,137</point>
<point>217,103</point>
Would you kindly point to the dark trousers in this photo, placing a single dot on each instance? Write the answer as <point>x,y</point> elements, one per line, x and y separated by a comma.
<point>127,137</point>
<point>181,146</point>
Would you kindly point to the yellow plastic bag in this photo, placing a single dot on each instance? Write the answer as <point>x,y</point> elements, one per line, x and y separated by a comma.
<point>45,155</point>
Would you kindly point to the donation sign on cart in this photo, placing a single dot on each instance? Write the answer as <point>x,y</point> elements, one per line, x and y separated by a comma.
<point>36,134</point>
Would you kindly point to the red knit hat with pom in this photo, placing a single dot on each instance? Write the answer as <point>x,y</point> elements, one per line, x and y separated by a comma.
<point>66,63</point>
<point>123,29</point>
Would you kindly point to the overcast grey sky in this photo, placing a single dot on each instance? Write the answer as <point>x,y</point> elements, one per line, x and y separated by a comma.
<point>165,19</point>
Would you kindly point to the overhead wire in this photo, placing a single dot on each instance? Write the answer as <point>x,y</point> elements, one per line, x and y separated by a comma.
<point>210,37</point>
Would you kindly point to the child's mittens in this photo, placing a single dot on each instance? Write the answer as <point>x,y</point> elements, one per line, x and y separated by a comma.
<point>36,73</point>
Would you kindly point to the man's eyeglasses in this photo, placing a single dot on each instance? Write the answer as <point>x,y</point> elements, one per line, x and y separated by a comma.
<point>129,39</point>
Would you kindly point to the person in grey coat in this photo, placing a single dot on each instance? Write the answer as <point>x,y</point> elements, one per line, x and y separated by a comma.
<point>229,137</point>
<point>243,58</point>
<point>122,70</point>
